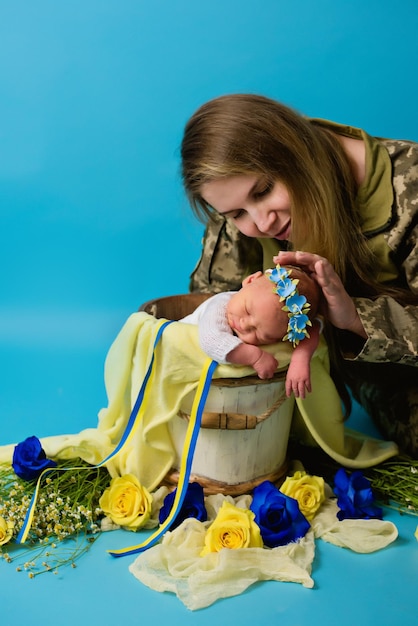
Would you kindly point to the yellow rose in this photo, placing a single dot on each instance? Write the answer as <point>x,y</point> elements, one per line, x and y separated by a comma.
<point>6,531</point>
<point>308,490</point>
<point>232,528</point>
<point>126,502</point>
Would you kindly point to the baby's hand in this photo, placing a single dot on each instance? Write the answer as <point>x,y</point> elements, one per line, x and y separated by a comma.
<point>298,379</point>
<point>266,365</point>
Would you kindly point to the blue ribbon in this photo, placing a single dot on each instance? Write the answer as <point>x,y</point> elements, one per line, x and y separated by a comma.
<point>186,464</point>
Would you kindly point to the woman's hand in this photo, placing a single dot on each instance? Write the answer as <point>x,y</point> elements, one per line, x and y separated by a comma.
<point>337,306</point>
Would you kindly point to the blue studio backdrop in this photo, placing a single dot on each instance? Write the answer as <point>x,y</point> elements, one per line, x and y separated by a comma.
<point>94,96</point>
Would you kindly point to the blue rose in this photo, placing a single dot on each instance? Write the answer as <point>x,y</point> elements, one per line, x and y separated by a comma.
<point>29,459</point>
<point>355,496</point>
<point>193,506</point>
<point>277,515</point>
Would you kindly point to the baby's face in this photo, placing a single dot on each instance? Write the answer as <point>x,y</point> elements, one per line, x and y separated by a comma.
<point>254,313</point>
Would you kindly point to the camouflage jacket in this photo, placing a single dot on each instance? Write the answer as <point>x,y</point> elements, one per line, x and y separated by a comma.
<point>388,205</point>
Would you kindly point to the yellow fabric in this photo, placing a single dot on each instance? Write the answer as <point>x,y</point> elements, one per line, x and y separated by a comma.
<point>178,364</point>
<point>176,564</point>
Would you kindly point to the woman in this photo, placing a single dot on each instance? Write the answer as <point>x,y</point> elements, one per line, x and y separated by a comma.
<point>340,203</point>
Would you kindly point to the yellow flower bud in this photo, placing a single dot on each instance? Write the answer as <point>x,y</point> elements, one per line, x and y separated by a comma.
<point>232,528</point>
<point>126,502</point>
<point>6,531</point>
<point>308,490</point>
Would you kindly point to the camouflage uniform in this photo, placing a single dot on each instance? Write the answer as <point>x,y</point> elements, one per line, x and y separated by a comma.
<point>382,373</point>
<point>227,257</point>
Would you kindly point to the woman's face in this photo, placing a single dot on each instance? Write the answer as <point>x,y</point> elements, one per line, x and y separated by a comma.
<point>256,208</point>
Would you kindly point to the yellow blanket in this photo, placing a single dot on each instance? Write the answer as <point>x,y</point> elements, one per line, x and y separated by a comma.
<point>178,363</point>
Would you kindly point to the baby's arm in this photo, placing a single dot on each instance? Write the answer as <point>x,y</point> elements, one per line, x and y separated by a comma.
<point>298,377</point>
<point>263,362</point>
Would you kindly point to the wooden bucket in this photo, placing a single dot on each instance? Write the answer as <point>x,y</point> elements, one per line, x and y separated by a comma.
<point>245,425</point>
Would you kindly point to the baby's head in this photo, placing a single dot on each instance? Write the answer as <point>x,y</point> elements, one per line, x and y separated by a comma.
<point>255,313</point>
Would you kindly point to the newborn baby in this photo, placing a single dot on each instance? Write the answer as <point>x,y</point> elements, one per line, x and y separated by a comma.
<point>280,304</point>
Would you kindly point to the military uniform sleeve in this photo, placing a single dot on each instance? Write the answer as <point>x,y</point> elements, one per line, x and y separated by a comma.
<point>227,258</point>
<point>392,329</point>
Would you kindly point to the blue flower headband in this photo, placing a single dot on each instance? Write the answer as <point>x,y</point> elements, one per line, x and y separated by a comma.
<point>295,304</point>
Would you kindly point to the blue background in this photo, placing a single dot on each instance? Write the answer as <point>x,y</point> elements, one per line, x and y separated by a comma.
<point>94,95</point>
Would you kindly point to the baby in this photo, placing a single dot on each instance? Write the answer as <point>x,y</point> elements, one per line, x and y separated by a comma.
<point>270,307</point>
